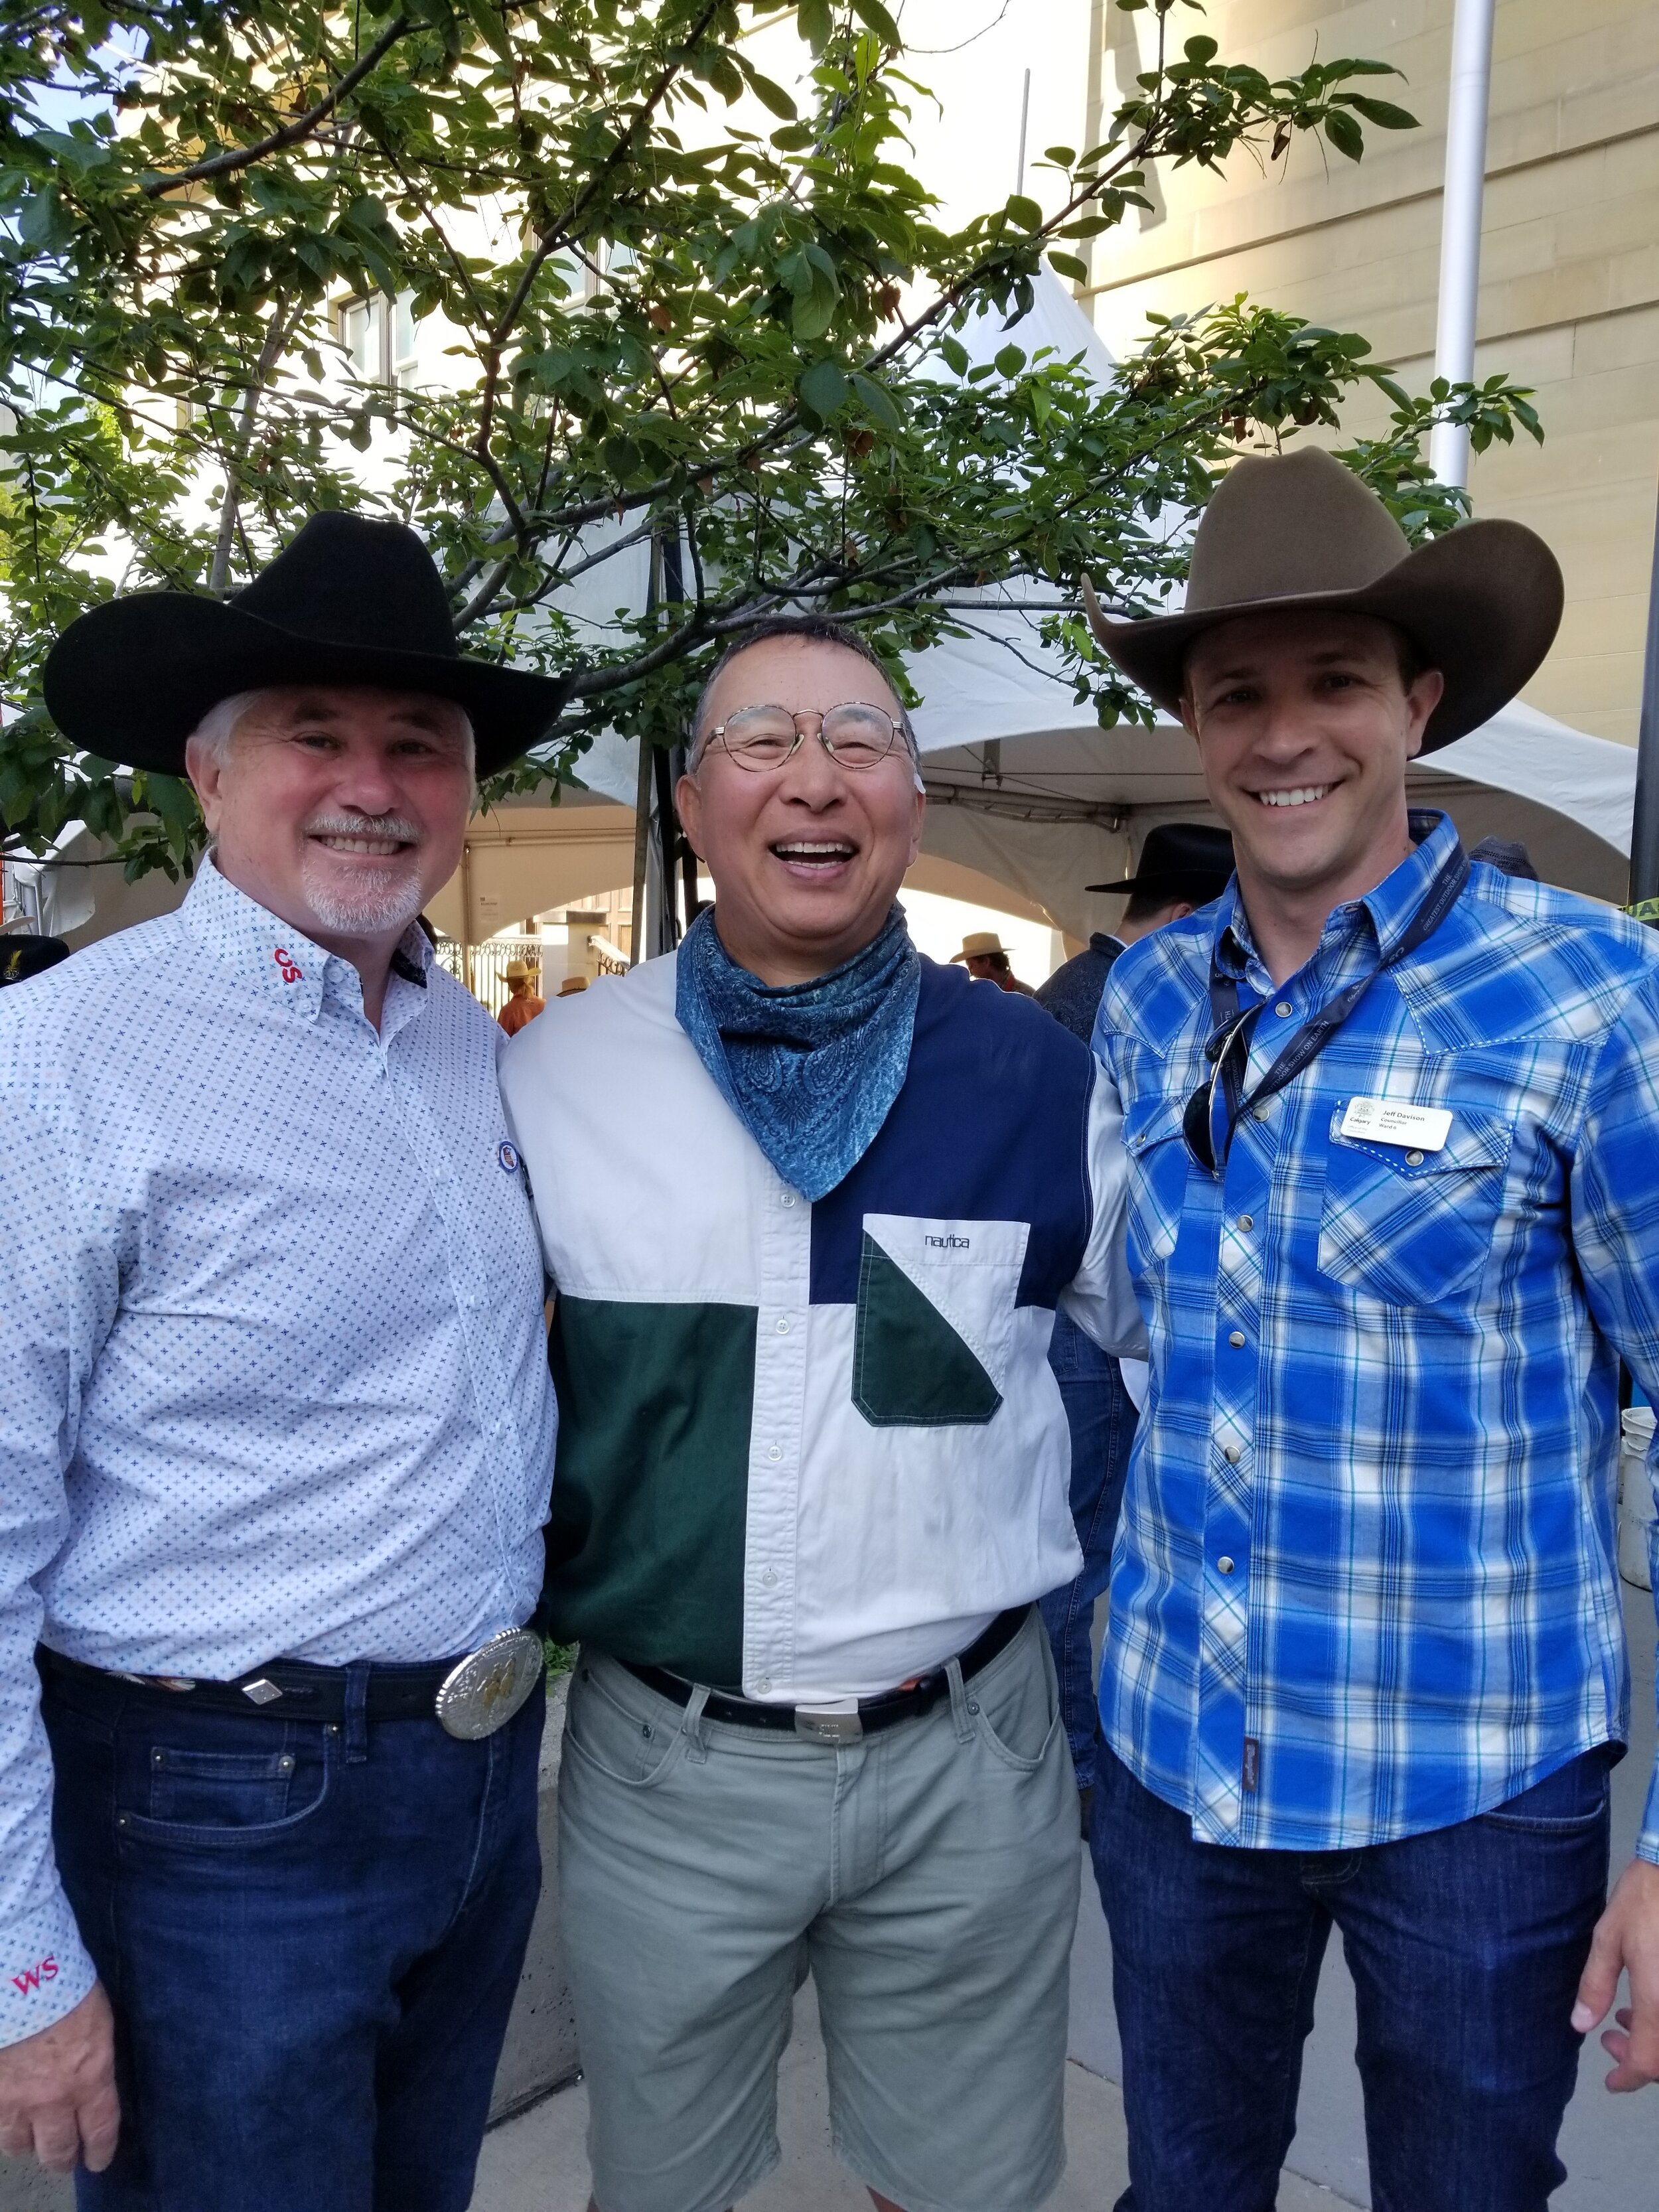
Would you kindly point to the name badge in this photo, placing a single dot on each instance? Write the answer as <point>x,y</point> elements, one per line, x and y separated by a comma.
<point>1385,1122</point>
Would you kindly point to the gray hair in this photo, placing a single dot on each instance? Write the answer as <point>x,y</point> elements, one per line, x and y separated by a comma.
<point>219,725</point>
<point>821,629</point>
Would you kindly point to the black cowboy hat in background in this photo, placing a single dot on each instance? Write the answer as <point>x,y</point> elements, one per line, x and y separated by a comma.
<point>1297,532</point>
<point>349,600</point>
<point>1180,860</point>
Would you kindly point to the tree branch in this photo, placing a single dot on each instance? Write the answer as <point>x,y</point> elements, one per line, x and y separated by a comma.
<point>243,157</point>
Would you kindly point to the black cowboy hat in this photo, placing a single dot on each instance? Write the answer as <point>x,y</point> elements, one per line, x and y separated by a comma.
<point>1295,533</point>
<point>1180,860</point>
<point>348,601</point>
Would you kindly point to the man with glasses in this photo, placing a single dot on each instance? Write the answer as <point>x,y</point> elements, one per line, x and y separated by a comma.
<point>808,1203</point>
<point>1393,1121</point>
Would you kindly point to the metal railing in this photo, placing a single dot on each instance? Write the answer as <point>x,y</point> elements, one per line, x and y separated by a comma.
<point>482,967</point>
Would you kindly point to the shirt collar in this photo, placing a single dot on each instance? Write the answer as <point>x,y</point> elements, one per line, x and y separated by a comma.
<point>1390,907</point>
<point>276,961</point>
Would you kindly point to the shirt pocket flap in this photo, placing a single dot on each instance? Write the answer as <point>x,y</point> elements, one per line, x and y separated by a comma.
<point>1151,1122</point>
<point>1474,1140</point>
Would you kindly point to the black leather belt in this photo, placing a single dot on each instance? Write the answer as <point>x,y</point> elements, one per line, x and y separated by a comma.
<point>826,1724</point>
<point>289,1690</point>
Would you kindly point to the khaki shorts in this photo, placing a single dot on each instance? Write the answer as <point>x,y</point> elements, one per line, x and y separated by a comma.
<point>928,1877</point>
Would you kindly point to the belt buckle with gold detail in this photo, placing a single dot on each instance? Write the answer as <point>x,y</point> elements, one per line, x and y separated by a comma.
<point>488,1687</point>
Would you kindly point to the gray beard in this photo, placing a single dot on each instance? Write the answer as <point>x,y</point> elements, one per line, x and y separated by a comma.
<point>374,911</point>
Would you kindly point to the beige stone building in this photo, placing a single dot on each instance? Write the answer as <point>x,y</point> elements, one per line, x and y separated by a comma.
<point>1569,266</point>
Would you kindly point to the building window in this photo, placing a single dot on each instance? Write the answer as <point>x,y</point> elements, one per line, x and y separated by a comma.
<point>363,331</point>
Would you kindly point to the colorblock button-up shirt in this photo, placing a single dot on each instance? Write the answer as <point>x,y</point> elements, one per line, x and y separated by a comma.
<point>1365,1583</point>
<point>273,1381</point>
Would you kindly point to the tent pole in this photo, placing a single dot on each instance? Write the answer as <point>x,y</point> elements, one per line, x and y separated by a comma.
<point>1644,827</point>
<point>1459,225</point>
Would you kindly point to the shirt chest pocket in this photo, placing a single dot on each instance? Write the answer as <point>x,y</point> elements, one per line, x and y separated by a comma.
<point>933,1332</point>
<point>1159,1162</point>
<point>1410,1226</point>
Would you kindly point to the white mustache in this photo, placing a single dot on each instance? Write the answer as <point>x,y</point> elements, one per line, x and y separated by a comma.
<point>390,826</point>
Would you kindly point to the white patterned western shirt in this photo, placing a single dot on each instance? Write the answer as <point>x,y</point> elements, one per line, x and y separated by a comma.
<point>1365,1583</point>
<point>273,1381</point>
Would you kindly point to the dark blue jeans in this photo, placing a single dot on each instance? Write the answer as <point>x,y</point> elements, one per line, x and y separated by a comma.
<point>1101,1417</point>
<point>311,1938</point>
<point>1465,1944</point>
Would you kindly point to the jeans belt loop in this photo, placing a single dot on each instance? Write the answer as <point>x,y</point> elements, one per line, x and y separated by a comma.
<point>959,1712</point>
<point>356,1713</point>
<point>696,1738</point>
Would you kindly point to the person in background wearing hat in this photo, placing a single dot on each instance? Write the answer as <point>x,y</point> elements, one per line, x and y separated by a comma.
<point>276,1433</point>
<point>1392,1122</point>
<point>522,1003</point>
<point>1182,867</point>
<point>812,1476</point>
<point>988,961</point>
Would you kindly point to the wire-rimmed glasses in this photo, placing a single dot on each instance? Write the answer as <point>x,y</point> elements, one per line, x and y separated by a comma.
<point>856,735</point>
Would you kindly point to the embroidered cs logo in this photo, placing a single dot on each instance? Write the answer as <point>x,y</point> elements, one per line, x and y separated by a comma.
<point>507,1155</point>
<point>285,962</point>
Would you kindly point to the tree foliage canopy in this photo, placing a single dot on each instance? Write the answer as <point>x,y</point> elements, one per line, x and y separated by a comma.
<point>682,303</point>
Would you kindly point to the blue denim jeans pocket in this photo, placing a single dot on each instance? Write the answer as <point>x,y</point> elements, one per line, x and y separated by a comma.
<point>1569,1801</point>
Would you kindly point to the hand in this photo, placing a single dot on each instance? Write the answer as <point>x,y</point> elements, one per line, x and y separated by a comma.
<point>57,2090</point>
<point>1627,1936</point>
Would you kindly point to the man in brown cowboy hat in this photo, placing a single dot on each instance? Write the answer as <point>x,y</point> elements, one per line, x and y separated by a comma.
<point>276,1433</point>
<point>523,1004</point>
<point>1392,1122</point>
<point>987,960</point>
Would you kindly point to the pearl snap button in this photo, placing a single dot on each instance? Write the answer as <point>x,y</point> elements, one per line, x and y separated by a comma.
<point>1237,1340</point>
<point>1282,1009</point>
<point>1246,1221</point>
<point>1413,1159</point>
<point>1225,1563</point>
<point>1230,1453</point>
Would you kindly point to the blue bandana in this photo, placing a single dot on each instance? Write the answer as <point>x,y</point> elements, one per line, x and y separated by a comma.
<point>810,1070</point>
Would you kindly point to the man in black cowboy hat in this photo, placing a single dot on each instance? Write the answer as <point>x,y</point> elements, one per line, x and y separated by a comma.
<point>1182,867</point>
<point>1392,1122</point>
<point>276,1433</point>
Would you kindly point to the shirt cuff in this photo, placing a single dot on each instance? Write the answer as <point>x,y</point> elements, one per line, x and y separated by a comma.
<point>45,1970</point>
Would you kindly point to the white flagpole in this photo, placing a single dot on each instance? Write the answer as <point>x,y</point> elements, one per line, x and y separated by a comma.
<point>1459,223</point>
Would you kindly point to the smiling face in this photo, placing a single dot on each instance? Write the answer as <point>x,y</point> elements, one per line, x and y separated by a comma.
<point>340,809</point>
<point>1304,725</point>
<point>807,858</point>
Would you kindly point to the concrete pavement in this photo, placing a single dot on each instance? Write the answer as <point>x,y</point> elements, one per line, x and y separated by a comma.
<point>536,2162</point>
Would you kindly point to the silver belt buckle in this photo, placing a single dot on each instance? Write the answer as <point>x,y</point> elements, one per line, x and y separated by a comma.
<point>490,1685</point>
<point>835,1723</point>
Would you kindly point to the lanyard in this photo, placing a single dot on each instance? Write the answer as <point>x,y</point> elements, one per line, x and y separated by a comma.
<point>1228,1066</point>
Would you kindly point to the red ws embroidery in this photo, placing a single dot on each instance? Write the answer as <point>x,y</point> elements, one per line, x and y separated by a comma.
<point>285,962</point>
<point>30,1979</point>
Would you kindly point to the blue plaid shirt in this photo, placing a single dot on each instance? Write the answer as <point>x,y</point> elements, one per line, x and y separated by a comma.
<point>1365,1583</point>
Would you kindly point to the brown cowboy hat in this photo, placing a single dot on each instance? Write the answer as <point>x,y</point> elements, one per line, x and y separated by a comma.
<point>980,944</point>
<point>1296,532</point>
